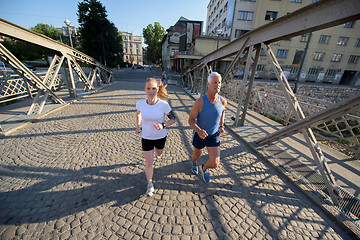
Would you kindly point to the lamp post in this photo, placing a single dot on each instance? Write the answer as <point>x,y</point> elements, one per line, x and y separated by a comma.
<point>218,32</point>
<point>67,23</point>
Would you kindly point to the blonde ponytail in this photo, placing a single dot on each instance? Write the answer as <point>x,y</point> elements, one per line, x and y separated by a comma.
<point>162,92</point>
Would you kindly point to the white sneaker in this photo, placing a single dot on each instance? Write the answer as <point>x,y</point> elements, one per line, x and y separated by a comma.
<point>150,190</point>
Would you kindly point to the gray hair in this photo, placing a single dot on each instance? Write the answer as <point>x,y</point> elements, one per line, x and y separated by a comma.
<point>213,74</point>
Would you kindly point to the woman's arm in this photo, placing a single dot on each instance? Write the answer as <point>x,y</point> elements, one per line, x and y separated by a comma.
<point>138,122</point>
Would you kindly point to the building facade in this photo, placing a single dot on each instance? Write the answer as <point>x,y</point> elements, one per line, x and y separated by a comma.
<point>179,40</point>
<point>73,32</point>
<point>332,55</point>
<point>132,45</point>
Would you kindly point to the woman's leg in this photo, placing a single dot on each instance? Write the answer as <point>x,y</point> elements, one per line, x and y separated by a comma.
<point>159,152</point>
<point>149,169</point>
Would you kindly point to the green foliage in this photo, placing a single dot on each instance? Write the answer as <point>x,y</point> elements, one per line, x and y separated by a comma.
<point>27,51</point>
<point>47,30</point>
<point>153,36</point>
<point>99,38</point>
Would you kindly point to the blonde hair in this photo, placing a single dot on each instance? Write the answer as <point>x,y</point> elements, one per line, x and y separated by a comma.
<point>162,92</point>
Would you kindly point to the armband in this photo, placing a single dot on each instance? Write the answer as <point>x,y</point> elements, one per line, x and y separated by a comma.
<point>171,115</point>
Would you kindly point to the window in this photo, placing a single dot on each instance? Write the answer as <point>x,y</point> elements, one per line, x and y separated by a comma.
<point>354,59</point>
<point>271,15</point>
<point>262,52</point>
<point>295,1</point>
<point>260,67</point>
<point>343,41</point>
<point>239,32</point>
<point>349,25</point>
<point>330,73</point>
<point>281,53</point>
<point>336,57</point>
<point>324,39</point>
<point>319,56</point>
<point>246,16</point>
<point>304,38</point>
<point>357,43</point>
<point>294,69</point>
<point>313,71</point>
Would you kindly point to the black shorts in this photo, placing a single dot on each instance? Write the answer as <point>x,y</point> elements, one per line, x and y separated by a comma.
<point>148,145</point>
<point>209,141</point>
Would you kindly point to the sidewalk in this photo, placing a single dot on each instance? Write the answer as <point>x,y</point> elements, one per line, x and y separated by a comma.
<point>78,173</point>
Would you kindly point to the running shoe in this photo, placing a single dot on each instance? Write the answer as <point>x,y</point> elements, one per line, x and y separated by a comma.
<point>205,174</point>
<point>150,190</point>
<point>195,168</point>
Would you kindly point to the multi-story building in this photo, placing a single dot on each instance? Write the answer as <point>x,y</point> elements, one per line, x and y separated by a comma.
<point>73,32</point>
<point>132,46</point>
<point>179,40</point>
<point>332,55</point>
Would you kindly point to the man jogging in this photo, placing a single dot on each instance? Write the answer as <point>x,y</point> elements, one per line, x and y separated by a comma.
<point>207,120</point>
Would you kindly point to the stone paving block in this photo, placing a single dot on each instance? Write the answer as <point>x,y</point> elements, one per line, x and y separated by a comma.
<point>79,173</point>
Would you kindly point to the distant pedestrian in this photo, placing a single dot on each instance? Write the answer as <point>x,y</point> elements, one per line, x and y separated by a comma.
<point>207,120</point>
<point>150,121</point>
<point>163,77</point>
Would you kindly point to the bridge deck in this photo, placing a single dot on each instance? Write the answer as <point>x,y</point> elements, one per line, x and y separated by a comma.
<point>79,171</point>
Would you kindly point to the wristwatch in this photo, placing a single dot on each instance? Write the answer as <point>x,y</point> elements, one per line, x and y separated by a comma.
<point>164,125</point>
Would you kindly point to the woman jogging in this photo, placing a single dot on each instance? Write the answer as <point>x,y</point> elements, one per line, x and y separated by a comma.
<point>150,116</point>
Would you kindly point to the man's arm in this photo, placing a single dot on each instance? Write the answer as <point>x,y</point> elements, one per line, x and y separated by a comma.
<point>222,119</point>
<point>196,108</point>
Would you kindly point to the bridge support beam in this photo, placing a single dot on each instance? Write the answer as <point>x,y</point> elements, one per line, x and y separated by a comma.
<point>18,67</point>
<point>310,139</point>
<point>49,79</point>
<point>247,87</point>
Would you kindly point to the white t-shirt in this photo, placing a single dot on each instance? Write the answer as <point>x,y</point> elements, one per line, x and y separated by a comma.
<point>150,115</point>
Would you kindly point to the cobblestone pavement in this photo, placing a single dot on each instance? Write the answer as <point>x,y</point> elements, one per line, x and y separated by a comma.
<point>79,174</point>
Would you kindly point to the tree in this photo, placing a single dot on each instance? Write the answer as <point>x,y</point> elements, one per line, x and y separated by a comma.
<point>99,38</point>
<point>47,30</point>
<point>21,49</point>
<point>153,36</point>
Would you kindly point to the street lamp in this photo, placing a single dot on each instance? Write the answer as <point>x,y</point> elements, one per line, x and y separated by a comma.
<point>67,23</point>
<point>218,32</point>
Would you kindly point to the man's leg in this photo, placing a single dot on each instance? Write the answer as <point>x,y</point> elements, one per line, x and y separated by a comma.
<point>196,155</point>
<point>214,158</point>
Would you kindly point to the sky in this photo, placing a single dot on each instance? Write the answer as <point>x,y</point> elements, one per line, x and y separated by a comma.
<point>128,16</point>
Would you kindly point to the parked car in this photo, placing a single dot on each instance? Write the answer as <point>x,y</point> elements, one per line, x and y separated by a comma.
<point>29,66</point>
<point>139,67</point>
<point>4,67</point>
